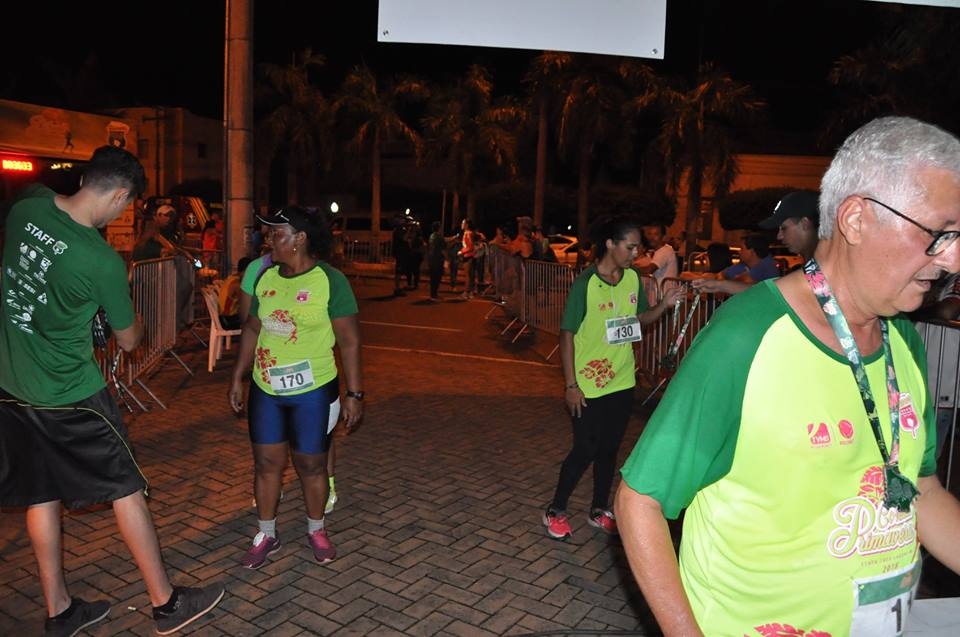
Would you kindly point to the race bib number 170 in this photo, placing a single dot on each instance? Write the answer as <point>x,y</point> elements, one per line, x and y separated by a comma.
<point>290,378</point>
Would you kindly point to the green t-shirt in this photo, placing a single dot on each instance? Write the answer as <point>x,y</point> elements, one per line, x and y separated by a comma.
<point>254,269</point>
<point>295,346</point>
<point>56,273</point>
<point>763,437</point>
<point>602,368</point>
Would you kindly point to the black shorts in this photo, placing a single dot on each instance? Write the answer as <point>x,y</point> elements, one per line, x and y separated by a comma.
<point>78,454</point>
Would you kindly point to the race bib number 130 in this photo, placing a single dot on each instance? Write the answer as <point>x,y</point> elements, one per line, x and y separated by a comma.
<point>623,329</point>
<point>291,378</point>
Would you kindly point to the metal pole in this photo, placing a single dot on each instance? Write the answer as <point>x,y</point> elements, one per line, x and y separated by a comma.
<point>238,123</point>
<point>443,213</point>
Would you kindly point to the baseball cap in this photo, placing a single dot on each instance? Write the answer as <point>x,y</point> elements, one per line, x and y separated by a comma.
<point>295,216</point>
<point>802,203</point>
<point>164,210</point>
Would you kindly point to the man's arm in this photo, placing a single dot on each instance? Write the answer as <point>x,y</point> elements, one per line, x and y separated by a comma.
<point>653,561</point>
<point>938,520</point>
<point>128,338</point>
<point>649,268</point>
<point>723,286</point>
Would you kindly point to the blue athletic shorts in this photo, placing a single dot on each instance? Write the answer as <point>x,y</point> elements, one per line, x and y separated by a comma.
<point>304,420</point>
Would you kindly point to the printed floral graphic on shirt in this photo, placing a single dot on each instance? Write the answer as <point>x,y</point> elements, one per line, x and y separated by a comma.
<point>786,630</point>
<point>281,323</point>
<point>265,360</point>
<point>599,371</point>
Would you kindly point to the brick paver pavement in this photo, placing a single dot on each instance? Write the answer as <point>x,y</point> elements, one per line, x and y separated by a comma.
<point>437,529</point>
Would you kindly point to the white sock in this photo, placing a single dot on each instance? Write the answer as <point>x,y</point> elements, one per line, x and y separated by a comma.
<point>314,525</point>
<point>268,527</point>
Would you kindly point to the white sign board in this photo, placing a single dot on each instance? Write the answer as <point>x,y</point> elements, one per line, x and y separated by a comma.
<point>931,3</point>
<point>614,27</point>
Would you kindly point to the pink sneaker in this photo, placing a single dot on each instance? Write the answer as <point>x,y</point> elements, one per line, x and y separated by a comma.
<point>323,549</point>
<point>558,526</point>
<point>263,545</point>
<point>603,520</point>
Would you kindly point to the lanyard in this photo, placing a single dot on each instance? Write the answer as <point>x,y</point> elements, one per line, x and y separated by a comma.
<point>899,491</point>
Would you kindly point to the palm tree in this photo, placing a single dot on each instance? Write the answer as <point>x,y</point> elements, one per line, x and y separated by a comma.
<point>596,115</point>
<point>371,113</point>
<point>910,68</point>
<point>473,132</point>
<point>544,79</point>
<point>297,122</point>
<point>697,135</point>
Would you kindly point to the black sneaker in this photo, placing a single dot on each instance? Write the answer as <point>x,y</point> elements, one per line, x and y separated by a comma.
<point>191,604</point>
<point>78,616</point>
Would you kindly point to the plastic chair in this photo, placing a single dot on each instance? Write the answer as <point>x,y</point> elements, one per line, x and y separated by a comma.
<point>218,335</point>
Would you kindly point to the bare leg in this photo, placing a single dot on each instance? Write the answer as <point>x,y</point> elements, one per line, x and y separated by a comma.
<point>312,469</point>
<point>136,528</point>
<point>43,527</point>
<point>331,456</point>
<point>269,462</point>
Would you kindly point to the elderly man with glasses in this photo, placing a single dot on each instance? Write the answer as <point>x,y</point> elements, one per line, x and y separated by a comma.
<point>798,433</point>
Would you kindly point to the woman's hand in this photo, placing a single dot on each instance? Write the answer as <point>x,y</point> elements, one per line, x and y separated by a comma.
<point>575,400</point>
<point>673,294</point>
<point>235,396</point>
<point>352,411</point>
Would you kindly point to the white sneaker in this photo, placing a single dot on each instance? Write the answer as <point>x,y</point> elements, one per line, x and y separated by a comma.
<point>331,501</point>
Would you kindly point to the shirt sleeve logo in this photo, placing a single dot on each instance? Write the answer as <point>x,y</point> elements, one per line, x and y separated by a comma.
<point>909,421</point>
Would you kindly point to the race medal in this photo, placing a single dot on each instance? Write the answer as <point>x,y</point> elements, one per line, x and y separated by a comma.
<point>291,378</point>
<point>900,491</point>
<point>623,329</point>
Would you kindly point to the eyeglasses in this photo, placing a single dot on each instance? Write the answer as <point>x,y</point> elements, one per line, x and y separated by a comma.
<point>941,238</point>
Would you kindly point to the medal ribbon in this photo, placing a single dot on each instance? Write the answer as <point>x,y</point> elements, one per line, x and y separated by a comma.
<point>899,491</point>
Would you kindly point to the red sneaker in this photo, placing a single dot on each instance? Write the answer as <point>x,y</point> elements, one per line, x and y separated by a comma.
<point>256,555</point>
<point>603,520</point>
<point>558,526</point>
<point>323,549</point>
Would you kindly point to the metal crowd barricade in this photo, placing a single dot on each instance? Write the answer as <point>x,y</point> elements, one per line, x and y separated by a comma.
<point>357,250</point>
<point>668,338</point>
<point>111,361</point>
<point>545,290</point>
<point>508,278</point>
<point>942,342</point>
<point>153,285</point>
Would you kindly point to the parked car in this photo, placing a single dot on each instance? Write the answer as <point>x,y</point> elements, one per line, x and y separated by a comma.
<point>699,262</point>
<point>564,248</point>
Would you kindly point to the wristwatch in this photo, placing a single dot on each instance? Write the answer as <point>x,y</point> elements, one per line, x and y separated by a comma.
<point>356,395</point>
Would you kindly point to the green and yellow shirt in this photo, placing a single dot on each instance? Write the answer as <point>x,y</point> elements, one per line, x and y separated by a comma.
<point>762,436</point>
<point>602,368</point>
<point>295,347</point>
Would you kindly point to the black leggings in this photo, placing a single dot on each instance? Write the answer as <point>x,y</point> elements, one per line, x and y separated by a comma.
<point>597,434</point>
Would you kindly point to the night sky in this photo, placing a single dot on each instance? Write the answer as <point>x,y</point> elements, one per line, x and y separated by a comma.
<point>172,53</point>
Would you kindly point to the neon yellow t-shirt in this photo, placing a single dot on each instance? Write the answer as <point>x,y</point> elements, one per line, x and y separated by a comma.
<point>763,437</point>
<point>295,346</point>
<point>602,368</point>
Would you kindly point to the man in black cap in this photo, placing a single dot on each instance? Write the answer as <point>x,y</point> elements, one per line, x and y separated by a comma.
<point>797,220</point>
